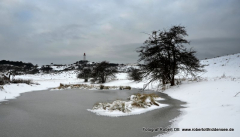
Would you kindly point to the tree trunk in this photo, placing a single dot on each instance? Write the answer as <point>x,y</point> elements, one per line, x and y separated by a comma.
<point>172,81</point>
<point>103,79</point>
<point>9,77</point>
<point>174,66</point>
<point>163,81</point>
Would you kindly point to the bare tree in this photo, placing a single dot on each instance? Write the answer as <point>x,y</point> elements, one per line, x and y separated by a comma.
<point>135,74</point>
<point>85,74</point>
<point>46,68</point>
<point>103,71</point>
<point>165,56</point>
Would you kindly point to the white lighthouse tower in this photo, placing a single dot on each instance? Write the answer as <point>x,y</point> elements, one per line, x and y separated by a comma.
<point>84,57</point>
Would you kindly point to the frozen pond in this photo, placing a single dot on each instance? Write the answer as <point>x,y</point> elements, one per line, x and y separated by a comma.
<point>64,114</point>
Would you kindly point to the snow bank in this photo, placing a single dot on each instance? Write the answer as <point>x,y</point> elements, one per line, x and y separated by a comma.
<point>210,104</point>
<point>44,81</point>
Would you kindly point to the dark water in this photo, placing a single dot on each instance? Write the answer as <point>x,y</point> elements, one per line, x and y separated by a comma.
<point>63,114</point>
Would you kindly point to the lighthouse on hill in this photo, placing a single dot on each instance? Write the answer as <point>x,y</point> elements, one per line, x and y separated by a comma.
<point>84,57</point>
<point>84,61</point>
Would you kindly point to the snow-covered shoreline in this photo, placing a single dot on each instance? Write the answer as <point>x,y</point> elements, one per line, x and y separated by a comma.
<point>42,82</point>
<point>211,103</point>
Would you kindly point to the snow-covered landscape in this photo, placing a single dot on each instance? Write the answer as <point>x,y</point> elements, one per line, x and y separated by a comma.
<point>119,68</point>
<point>212,100</point>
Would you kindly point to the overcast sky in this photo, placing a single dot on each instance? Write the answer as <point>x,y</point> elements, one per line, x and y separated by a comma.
<point>60,31</point>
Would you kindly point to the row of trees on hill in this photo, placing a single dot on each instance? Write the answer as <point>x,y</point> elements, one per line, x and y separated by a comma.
<point>15,63</point>
<point>16,68</point>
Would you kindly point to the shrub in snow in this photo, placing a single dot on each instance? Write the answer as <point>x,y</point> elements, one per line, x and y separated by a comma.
<point>26,81</point>
<point>116,105</point>
<point>144,100</point>
<point>103,72</point>
<point>92,81</point>
<point>76,86</point>
<point>124,87</point>
<point>2,81</point>
<point>128,87</point>
<point>134,74</point>
<point>86,86</point>
<point>135,101</point>
<point>34,71</point>
<point>106,87</point>
<point>46,68</point>
<point>85,74</point>
<point>1,88</point>
<point>101,106</point>
<point>179,82</point>
<point>120,87</point>
<point>120,106</point>
<point>101,86</point>
<point>223,76</point>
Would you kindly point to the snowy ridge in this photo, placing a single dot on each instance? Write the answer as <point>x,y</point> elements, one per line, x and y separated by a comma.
<point>228,65</point>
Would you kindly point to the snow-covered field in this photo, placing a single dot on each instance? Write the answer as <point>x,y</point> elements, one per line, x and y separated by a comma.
<point>44,81</point>
<point>211,103</point>
<point>217,67</point>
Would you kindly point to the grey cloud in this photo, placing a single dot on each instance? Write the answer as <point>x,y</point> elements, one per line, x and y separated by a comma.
<point>44,31</point>
<point>212,47</point>
<point>68,32</point>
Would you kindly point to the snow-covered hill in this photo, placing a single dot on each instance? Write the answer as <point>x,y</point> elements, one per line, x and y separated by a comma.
<point>211,103</point>
<point>228,65</point>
